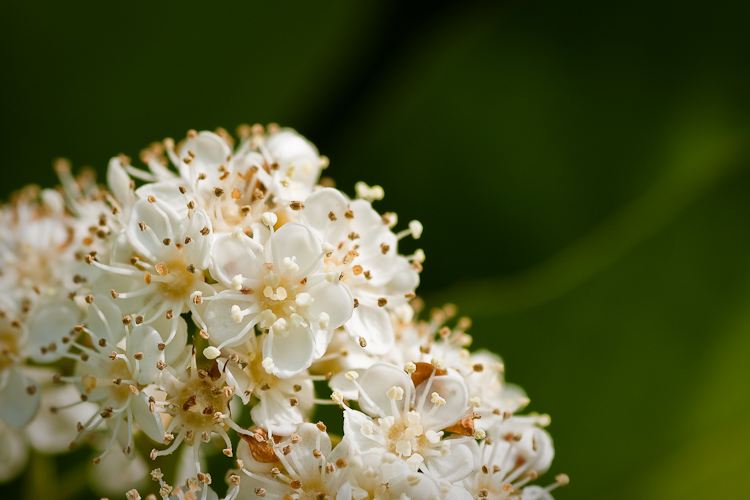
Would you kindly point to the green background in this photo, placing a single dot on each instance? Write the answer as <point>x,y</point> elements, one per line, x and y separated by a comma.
<point>581,170</point>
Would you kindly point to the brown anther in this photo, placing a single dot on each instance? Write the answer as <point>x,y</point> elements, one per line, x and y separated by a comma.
<point>331,216</point>
<point>189,402</point>
<point>205,231</point>
<point>382,301</point>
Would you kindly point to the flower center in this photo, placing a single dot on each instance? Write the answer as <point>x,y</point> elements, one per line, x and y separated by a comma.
<point>406,435</point>
<point>279,296</point>
<point>199,401</point>
<point>178,278</point>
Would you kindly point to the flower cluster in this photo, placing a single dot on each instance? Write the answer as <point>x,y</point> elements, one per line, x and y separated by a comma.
<point>221,299</point>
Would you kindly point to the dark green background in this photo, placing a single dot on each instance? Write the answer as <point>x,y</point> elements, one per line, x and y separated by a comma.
<point>581,170</point>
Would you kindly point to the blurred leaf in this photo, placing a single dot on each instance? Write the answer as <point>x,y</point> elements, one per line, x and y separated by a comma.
<point>617,359</point>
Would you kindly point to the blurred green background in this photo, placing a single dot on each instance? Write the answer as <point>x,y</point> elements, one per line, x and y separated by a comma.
<point>581,169</point>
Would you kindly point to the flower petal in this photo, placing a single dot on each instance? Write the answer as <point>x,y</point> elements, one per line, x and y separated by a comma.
<point>235,254</point>
<point>208,152</point>
<point>291,352</point>
<point>318,209</point>
<point>104,319</point>
<point>149,422</point>
<point>455,465</point>
<point>374,325</point>
<point>145,340</point>
<point>220,326</point>
<point>376,382</point>
<point>296,242</point>
<point>19,398</point>
<point>149,225</point>
<point>333,299</point>
<point>49,322</point>
<point>452,389</point>
<point>15,453</point>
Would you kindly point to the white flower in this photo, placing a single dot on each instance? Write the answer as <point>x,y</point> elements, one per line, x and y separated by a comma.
<point>409,421</point>
<point>279,404</point>
<point>384,476</point>
<point>267,171</point>
<point>281,287</point>
<point>157,262</point>
<point>302,465</point>
<point>117,366</point>
<point>197,403</point>
<point>363,251</point>
<point>515,452</point>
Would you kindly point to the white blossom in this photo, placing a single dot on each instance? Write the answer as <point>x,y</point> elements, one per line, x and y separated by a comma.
<point>210,302</point>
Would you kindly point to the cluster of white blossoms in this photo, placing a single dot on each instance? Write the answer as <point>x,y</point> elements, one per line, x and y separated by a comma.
<point>214,306</point>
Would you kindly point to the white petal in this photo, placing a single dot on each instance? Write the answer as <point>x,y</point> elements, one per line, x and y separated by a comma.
<point>456,465</point>
<point>453,390</point>
<point>118,181</point>
<point>149,422</point>
<point>273,411</point>
<point>177,345</point>
<point>404,278</point>
<point>290,353</point>
<point>356,439</point>
<point>414,485</point>
<point>169,196</point>
<point>14,453</point>
<point>301,455</point>
<point>221,326</point>
<point>234,255</point>
<point>296,242</point>
<point>198,251</point>
<point>145,340</point>
<point>18,403</point>
<point>52,432</point>
<point>104,319</point>
<point>117,473</point>
<point>374,325</point>
<point>148,242</point>
<point>375,383</point>
<point>333,299</point>
<point>209,151</point>
<point>319,206</point>
<point>48,324</point>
